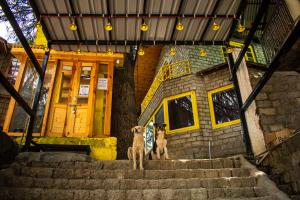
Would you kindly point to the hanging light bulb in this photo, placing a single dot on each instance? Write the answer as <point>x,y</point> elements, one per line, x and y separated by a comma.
<point>46,49</point>
<point>229,50</point>
<point>144,27</point>
<point>215,26</point>
<point>172,51</point>
<point>141,51</point>
<point>108,26</point>
<point>179,25</point>
<point>110,52</point>
<point>38,25</point>
<point>78,51</point>
<point>73,26</point>
<point>241,28</point>
<point>202,52</point>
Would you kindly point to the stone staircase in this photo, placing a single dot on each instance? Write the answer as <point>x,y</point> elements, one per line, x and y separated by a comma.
<point>58,176</point>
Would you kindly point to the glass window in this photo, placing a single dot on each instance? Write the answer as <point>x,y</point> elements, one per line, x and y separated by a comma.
<point>65,85</point>
<point>224,106</point>
<point>99,116</point>
<point>49,75</point>
<point>180,112</point>
<point>149,138</point>
<point>84,85</point>
<point>27,91</point>
<point>159,116</point>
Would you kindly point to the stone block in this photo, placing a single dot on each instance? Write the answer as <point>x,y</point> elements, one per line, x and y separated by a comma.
<point>63,173</point>
<point>199,193</point>
<point>180,194</point>
<point>116,194</point>
<point>81,173</point>
<point>64,194</point>
<point>134,194</point>
<point>93,184</point>
<point>59,183</point>
<point>167,194</point>
<point>43,183</point>
<point>77,183</point>
<point>111,184</point>
<point>82,195</point>
<point>224,173</point>
<point>98,194</point>
<point>128,184</point>
<point>206,164</point>
<point>240,172</point>
<point>151,194</point>
<point>214,193</point>
<point>217,163</point>
<point>211,173</point>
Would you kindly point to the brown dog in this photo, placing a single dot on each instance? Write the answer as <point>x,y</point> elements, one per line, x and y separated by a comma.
<point>137,149</point>
<point>160,144</point>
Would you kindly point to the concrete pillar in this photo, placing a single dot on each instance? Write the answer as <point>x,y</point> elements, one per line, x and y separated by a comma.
<point>255,132</point>
<point>294,8</point>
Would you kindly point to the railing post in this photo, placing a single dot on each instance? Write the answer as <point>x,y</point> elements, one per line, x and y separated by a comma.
<point>246,137</point>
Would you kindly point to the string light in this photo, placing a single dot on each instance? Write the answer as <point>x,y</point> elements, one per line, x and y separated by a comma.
<point>110,52</point>
<point>144,27</point>
<point>241,28</point>
<point>108,26</point>
<point>215,26</point>
<point>172,51</point>
<point>141,51</point>
<point>202,52</point>
<point>179,25</point>
<point>229,50</point>
<point>73,26</point>
<point>38,25</point>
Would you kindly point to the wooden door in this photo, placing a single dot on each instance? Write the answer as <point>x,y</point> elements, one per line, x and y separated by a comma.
<point>71,112</point>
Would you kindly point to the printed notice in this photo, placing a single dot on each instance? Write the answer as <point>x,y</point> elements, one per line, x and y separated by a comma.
<point>84,90</point>
<point>102,84</point>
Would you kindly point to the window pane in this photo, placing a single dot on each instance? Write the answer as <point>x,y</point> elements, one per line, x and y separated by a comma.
<point>159,117</point>
<point>27,91</point>
<point>149,139</point>
<point>84,85</point>
<point>225,106</point>
<point>99,116</point>
<point>180,112</point>
<point>50,70</point>
<point>65,85</point>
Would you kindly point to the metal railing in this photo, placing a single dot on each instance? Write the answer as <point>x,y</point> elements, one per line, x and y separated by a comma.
<point>166,72</point>
<point>277,29</point>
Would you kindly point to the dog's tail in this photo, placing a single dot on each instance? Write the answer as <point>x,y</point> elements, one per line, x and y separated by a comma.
<point>129,153</point>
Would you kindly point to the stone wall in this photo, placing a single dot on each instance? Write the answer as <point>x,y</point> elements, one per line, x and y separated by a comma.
<point>278,104</point>
<point>195,144</point>
<point>282,165</point>
<point>4,101</point>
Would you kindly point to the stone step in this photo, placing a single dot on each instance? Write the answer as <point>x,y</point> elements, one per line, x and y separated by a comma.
<point>146,194</point>
<point>126,164</point>
<point>130,174</point>
<point>128,184</point>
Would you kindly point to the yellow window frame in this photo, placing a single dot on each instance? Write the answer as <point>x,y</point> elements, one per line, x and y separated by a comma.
<point>195,113</point>
<point>211,108</point>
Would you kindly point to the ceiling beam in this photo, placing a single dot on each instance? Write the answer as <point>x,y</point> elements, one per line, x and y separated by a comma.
<point>75,18</point>
<point>209,20</point>
<point>109,15</point>
<point>176,21</point>
<point>92,15</point>
<point>133,42</point>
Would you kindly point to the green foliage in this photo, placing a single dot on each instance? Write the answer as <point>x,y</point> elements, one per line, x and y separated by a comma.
<point>24,16</point>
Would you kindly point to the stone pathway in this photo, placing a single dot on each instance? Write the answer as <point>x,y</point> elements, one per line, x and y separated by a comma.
<point>72,176</point>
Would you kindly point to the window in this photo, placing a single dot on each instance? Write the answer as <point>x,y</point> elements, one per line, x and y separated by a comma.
<point>181,112</point>
<point>223,106</point>
<point>159,116</point>
<point>178,112</point>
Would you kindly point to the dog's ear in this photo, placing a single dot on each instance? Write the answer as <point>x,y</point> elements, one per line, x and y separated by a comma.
<point>155,125</point>
<point>164,125</point>
<point>133,130</point>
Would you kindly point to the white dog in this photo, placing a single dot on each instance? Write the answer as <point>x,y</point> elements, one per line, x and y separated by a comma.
<point>137,149</point>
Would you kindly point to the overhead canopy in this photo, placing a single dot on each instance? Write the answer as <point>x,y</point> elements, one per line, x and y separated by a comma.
<point>126,16</point>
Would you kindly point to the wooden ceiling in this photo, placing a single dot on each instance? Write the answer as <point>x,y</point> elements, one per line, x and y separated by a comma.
<point>144,71</point>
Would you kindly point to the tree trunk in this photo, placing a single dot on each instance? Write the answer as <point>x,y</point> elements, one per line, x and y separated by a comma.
<point>124,109</point>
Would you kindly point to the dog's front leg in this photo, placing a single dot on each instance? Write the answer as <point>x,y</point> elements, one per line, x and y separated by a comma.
<point>157,153</point>
<point>134,158</point>
<point>166,153</point>
<point>141,159</point>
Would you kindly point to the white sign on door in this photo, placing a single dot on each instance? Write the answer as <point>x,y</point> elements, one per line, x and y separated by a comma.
<point>102,84</point>
<point>84,90</point>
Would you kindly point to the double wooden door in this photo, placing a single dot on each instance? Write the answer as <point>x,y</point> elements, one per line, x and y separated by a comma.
<point>75,100</point>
